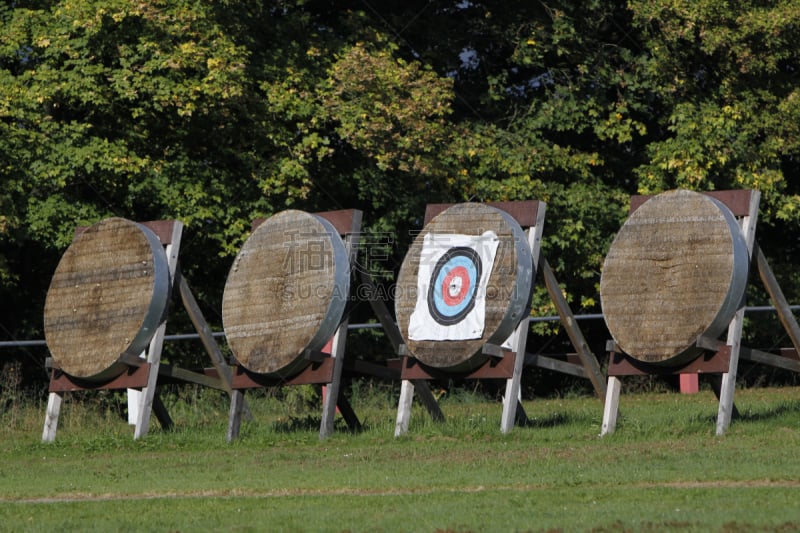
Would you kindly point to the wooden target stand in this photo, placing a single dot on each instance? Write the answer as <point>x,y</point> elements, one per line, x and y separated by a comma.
<point>503,362</point>
<point>143,374</point>
<point>325,366</point>
<point>717,357</point>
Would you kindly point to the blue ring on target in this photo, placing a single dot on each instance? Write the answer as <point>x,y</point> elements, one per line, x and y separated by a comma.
<point>458,266</point>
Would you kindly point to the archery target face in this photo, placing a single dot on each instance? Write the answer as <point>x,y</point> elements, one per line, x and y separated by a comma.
<point>451,286</point>
<point>452,294</point>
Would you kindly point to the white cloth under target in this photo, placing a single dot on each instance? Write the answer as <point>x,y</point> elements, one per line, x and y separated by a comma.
<point>451,286</point>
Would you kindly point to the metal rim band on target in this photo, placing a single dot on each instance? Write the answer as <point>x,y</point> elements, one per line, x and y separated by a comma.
<point>676,271</point>
<point>106,299</point>
<point>465,282</point>
<point>285,293</point>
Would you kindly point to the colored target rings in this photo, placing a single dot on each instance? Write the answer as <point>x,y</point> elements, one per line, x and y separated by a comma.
<point>456,278</point>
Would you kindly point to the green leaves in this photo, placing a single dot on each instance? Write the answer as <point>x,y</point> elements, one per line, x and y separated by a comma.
<point>392,110</point>
<point>217,113</point>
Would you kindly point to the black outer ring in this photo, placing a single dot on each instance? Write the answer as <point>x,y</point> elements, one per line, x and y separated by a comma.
<point>473,256</point>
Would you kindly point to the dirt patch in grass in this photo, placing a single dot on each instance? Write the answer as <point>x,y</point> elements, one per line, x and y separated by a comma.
<point>416,491</point>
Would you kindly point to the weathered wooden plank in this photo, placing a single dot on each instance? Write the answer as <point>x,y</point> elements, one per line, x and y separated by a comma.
<point>738,201</point>
<point>574,333</point>
<point>348,413</point>
<point>492,368</point>
<point>315,373</point>
<point>771,359</point>
<point>775,292</point>
<point>382,312</point>
<point>181,374</point>
<point>134,377</point>
<point>525,212</point>
<point>423,390</point>
<point>162,414</point>
<point>162,228</point>
<point>550,363</point>
<point>709,362</point>
<point>344,221</point>
<point>207,338</point>
<point>341,219</point>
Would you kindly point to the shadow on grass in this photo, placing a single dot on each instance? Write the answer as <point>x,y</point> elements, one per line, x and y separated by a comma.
<point>549,421</point>
<point>770,413</point>
<point>294,424</point>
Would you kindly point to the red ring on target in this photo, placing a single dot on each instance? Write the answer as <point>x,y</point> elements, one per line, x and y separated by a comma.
<point>455,286</point>
<point>454,283</point>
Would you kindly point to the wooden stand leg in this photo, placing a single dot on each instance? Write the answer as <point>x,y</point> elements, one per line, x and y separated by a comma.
<point>148,393</point>
<point>206,337</point>
<point>428,400</point>
<point>157,342</point>
<point>511,399</point>
<point>588,360</point>
<point>728,387</point>
<point>160,410</point>
<point>333,388</point>
<point>134,399</point>
<point>404,408</point>
<point>748,225</point>
<point>51,418</point>
<point>348,413</point>
<point>332,399</point>
<point>725,412</point>
<point>521,417</point>
<point>146,404</point>
<point>235,414</point>
<point>611,407</point>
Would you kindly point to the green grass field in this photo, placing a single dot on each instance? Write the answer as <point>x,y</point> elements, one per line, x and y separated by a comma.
<point>663,470</point>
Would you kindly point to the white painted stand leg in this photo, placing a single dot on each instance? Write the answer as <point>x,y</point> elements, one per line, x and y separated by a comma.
<point>513,393</point>
<point>51,417</point>
<point>149,391</point>
<point>332,395</point>
<point>134,399</point>
<point>728,386</point>
<point>338,343</point>
<point>734,340</point>
<point>519,339</point>
<point>611,408</point>
<point>157,343</point>
<point>404,408</point>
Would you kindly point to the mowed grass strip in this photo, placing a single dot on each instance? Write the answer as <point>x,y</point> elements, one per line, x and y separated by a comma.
<point>662,470</point>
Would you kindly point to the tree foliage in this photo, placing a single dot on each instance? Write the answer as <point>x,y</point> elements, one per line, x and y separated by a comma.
<point>216,113</point>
